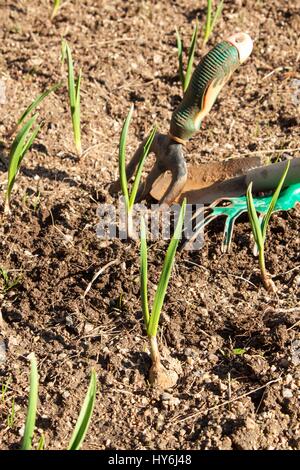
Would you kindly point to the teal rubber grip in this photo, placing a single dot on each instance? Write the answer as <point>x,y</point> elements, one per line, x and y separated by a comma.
<point>214,69</point>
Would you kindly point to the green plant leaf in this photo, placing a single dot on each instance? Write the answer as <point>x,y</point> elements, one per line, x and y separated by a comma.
<point>32,405</point>
<point>217,15</point>
<point>37,101</point>
<point>71,80</point>
<point>207,30</point>
<point>18,149</point>
<point>180,60</point>
<point>85,415</point>
<point>144,273</point>
<point>138,175</point>
<point>76,115</point>
<point>77,88</point>
<point>273,202</point>
<point>191,55</point>
<point>29,143</point>
<point>165,275</point>
<point>74,95</point>
<point>122,157</point>
<point>211,19</point>
<point>4,274</point>
<point>238,351</point>
<point>41,443</point>
<point>254,221</point>
<point>56,5</point>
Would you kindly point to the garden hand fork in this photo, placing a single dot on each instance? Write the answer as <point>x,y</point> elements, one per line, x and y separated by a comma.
<point>209,77</point>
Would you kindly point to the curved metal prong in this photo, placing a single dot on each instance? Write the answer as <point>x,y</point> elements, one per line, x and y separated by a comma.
<point>198,228</point>
<point>146,186</point>
<point>179,177</point>
<point>228,231</point>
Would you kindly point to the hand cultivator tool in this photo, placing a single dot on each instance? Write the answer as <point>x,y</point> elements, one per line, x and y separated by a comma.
<point>208,79</point>
<point>263,179</point>
<point>218,183</point>
<point>227,197</point>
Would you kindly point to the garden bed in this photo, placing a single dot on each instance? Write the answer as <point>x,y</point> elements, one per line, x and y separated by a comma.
<point>232,339</point>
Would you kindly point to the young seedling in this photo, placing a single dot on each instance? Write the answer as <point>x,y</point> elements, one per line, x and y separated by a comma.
<point>74,95</point>
<point>5,400</point>
<point>8,283</point>
<point>56,5</point>
<point>129,199</point>
<point>32,404</point>
<point>85,415</point>
<point>259,228</point>
<point>4,388</point>
<point>83,419</point>
<point>186,77</point>
<point>211,19</point>
<point>33,106</point>
<point>20,146</point>
<point>158,375</point>
<point>41,443</point>
<point>11,417</point>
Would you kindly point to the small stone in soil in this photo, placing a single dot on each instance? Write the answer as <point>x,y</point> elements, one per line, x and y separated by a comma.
<point>2,352</point>
<point>287,393</point>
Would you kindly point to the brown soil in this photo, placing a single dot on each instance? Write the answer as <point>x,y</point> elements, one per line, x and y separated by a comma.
<point>215,303</point>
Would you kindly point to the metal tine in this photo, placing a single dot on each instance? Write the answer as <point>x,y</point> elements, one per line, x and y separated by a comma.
<point>228,232</point>
<point>212,205</point>
<point>146,186</point>
<point>199,227</point>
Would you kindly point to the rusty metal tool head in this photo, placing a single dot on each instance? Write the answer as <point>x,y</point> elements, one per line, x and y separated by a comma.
<point>230,179</point>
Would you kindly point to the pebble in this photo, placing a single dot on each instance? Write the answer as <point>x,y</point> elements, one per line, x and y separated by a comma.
<point>250,423</point>
<point>206,377</point>
<point>288,378</point>
<point>287,393</point>
<point>226,443</point>
<point>160,421</point>
<point>157,59</point>
<point>213,358</point>
<point>13,341</point>
<point>28,253</point>
<point>189,352</point>
<point>123,266</point>
<point>203,312</point>
<point>2,352</point>
<point>170,399</point>
<point>88,327</point>
<point>69,320</point>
